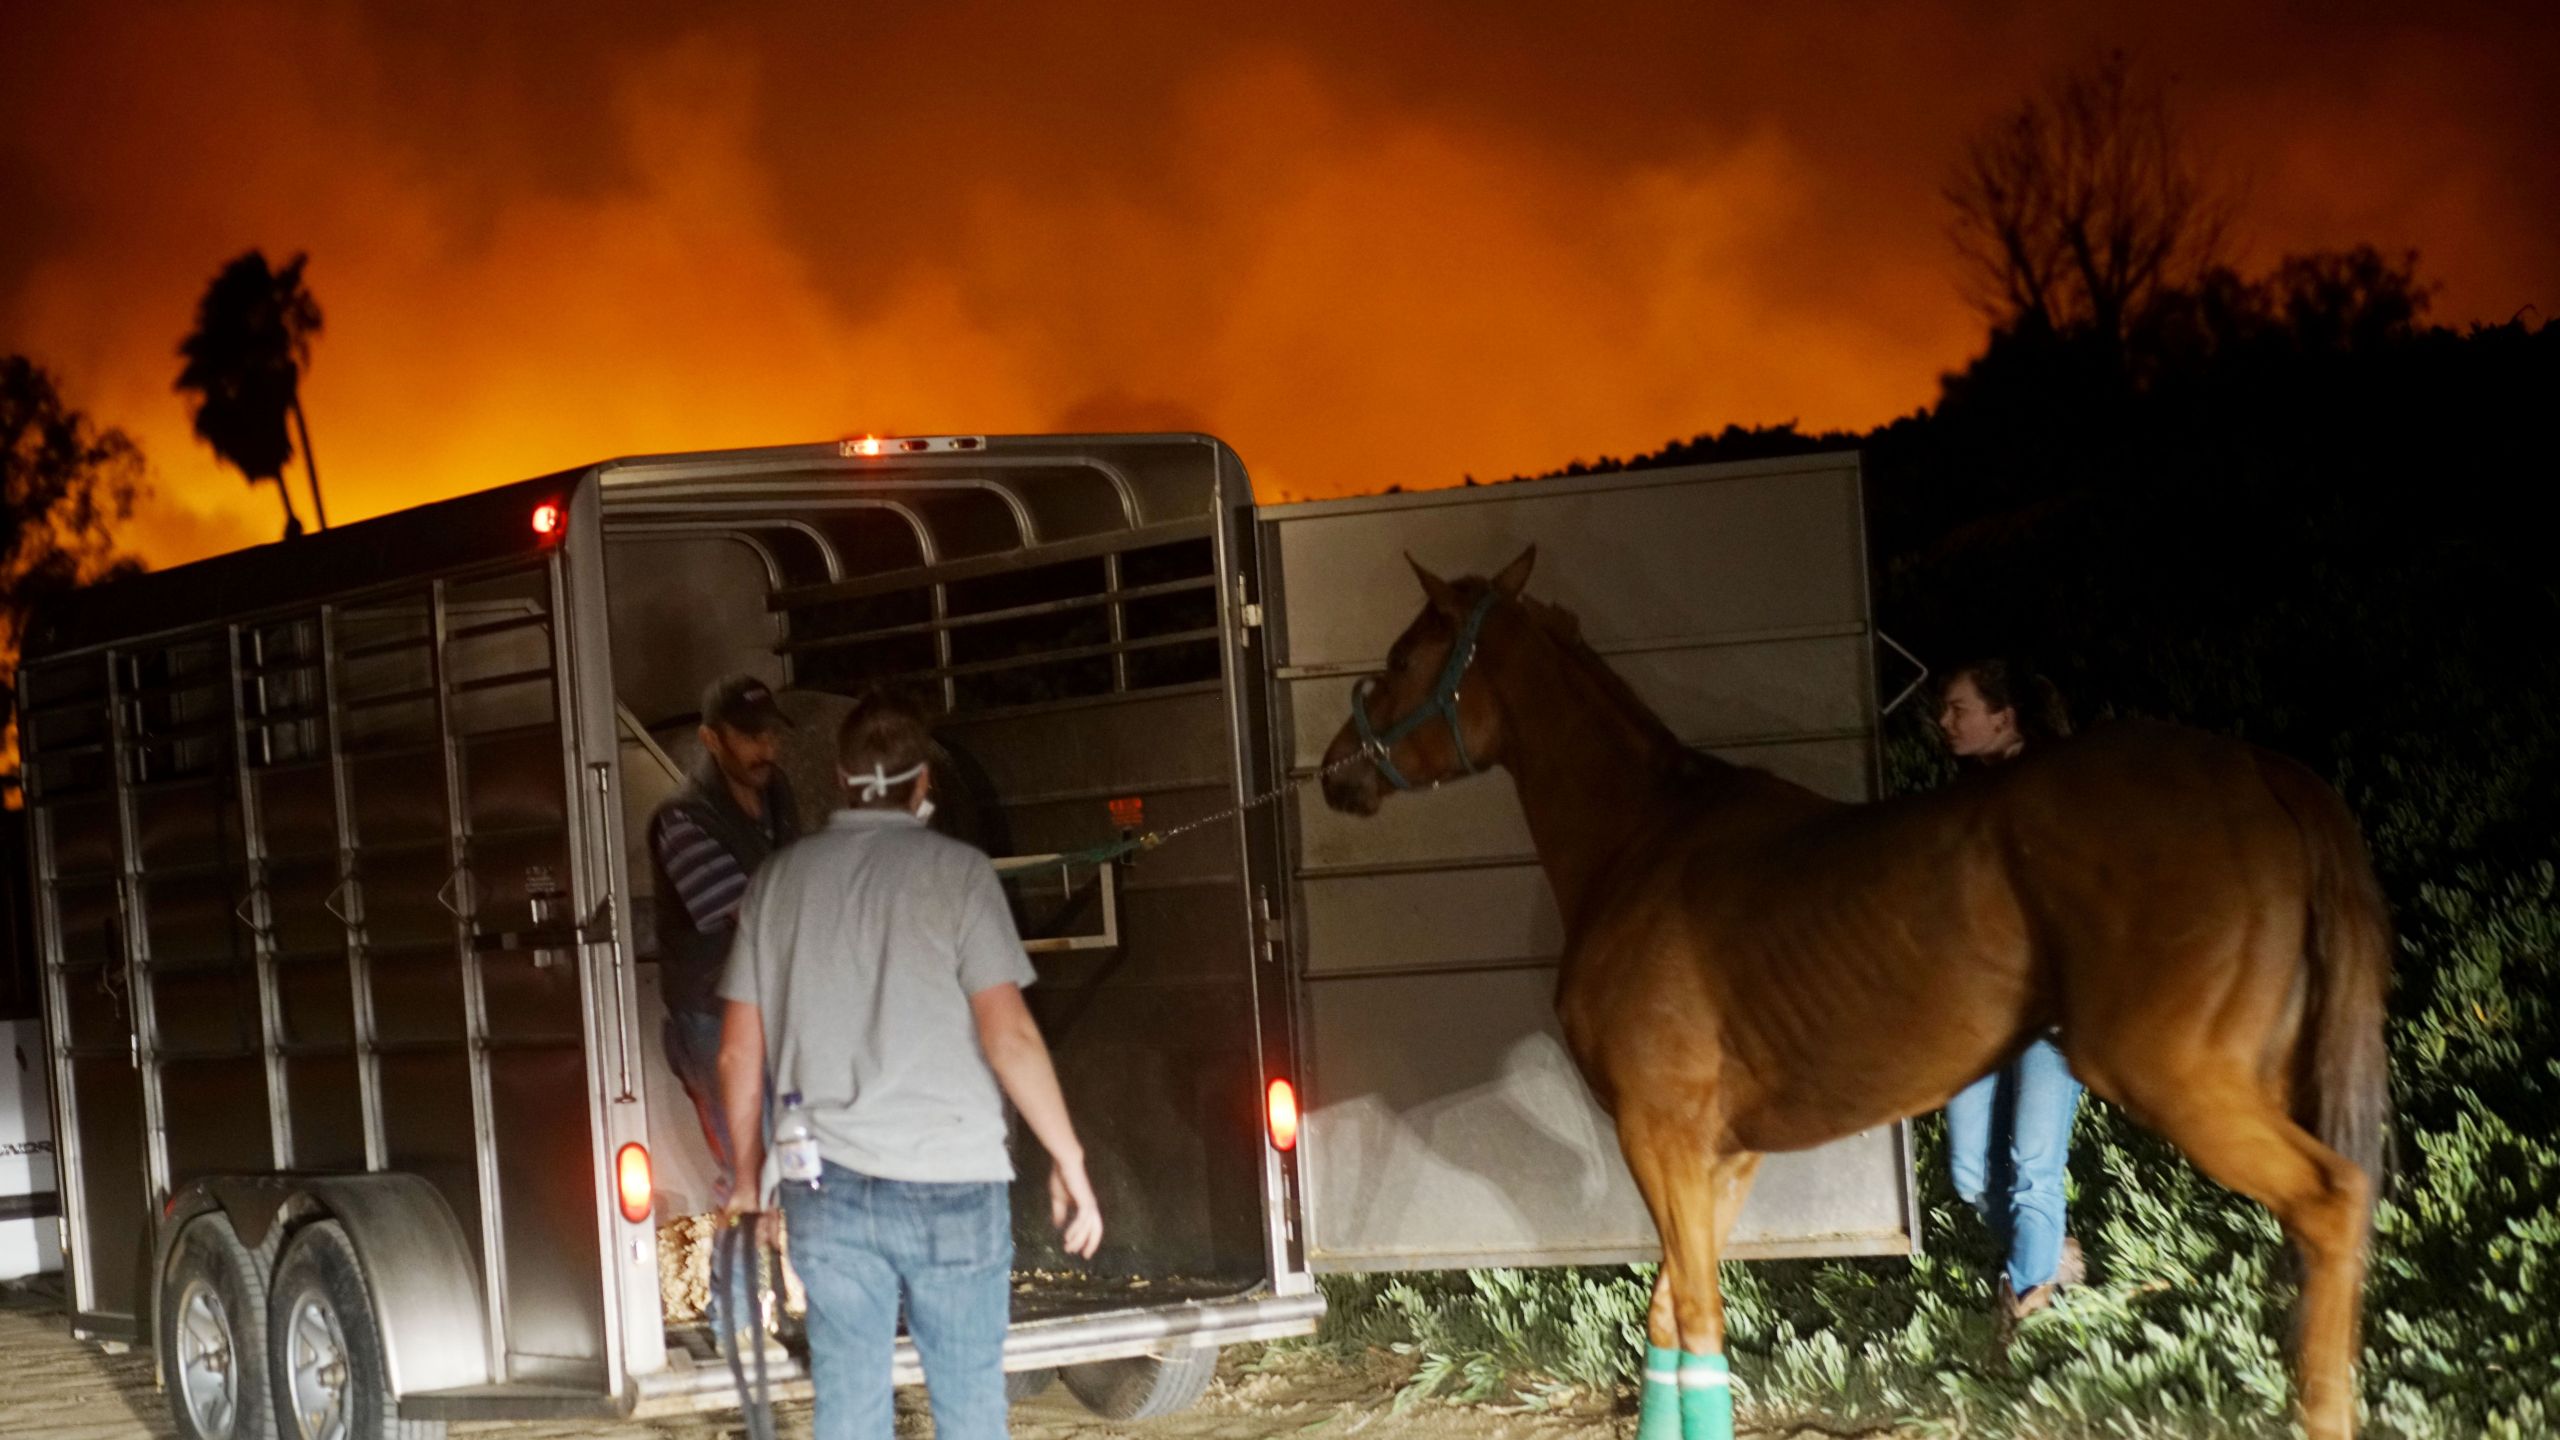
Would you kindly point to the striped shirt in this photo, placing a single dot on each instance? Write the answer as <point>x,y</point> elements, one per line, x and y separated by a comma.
<point>707,877</point>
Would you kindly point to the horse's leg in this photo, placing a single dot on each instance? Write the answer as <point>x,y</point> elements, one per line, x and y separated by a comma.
<point>2237,1133</point>
<point>1694,1193</point>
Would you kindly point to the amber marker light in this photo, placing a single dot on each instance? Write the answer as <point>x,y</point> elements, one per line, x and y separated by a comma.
<point>1284,1115</point>
<point>631,1173</point>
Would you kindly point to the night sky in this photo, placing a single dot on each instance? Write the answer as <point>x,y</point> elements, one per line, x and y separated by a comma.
<point>1369,244</point>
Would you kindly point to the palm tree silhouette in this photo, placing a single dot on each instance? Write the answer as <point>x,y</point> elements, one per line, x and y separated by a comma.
<point>244,367</point>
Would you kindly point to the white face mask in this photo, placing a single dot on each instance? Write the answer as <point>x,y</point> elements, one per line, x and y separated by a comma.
<point>924,810</point>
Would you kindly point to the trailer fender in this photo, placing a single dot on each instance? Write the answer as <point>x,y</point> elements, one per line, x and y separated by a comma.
<point>426,1289</point>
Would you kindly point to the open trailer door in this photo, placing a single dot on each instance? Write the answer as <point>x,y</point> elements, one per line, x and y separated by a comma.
<point>1445,1125</point>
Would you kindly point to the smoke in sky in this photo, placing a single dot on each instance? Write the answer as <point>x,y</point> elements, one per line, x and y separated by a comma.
<point>1367,245</point>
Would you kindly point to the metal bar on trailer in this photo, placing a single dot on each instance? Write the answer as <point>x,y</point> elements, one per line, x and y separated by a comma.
<point>1111,597</point>
<point>1646,646</point>
<point>499,682</point>
<point>826,548</point>
<point>761,512</point>
<point>501,627</point>
<point>68,1151</point>
<point>978,567</point>
<point>942,651</point>
<point>134,904</point>
<point>377,1150</point>
<point>900,473</point>
<point>649,530</point>
<point>1039,658</point>
<point>264,670</point>
<point>410,696</point>
<point>475,1007</point>
<point>260,904</point>
<point>634,1319</point>
<point>386,647</point>
<point>832,487</point>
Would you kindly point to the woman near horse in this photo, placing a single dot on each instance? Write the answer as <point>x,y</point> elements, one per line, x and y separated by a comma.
<point>2021,1113</point>
<point>2195,914</point>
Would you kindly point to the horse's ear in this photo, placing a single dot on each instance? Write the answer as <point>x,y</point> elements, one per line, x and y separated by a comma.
<point>1515,576</point>
<point>1443,599</point>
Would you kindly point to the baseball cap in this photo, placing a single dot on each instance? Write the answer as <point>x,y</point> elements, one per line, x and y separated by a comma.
<point>743,703</point>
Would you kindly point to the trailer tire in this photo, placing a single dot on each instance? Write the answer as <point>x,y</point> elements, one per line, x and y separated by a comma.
<point>213,1335</point>
<point>1021,1385</point>
<point>324,1353</point>
<point>1143,1387</point>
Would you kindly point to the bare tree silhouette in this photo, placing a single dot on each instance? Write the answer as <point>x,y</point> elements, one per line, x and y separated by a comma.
<point>244,367</point>
<point>65,485</point>
<point>2075,211</point>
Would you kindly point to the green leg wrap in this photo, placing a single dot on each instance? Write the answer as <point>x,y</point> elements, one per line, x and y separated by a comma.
<point>1706,1398</point>
<point>1658,1417</point>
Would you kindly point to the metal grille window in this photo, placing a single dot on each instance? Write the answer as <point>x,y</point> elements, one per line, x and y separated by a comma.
<point>177,710</point>
<point>282,695</point>
<point>1124,621</point>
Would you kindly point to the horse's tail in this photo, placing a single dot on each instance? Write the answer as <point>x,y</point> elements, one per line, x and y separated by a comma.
<point>2343,1084</point>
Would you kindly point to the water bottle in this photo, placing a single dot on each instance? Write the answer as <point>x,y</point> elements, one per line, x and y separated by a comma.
<point>795,1145</point>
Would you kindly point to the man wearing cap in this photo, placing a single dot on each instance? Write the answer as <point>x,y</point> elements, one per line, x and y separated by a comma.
<point>704,843</point>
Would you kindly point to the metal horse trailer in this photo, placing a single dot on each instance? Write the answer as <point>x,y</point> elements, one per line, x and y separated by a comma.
<point>342,898</point>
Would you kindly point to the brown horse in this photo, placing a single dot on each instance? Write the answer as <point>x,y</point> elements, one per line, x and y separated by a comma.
<point>1750,967</point>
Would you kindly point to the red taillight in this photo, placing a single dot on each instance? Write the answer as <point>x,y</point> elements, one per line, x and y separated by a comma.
<point>631,1173</point>
<point>1283,1108</point>
<point>546,519</point>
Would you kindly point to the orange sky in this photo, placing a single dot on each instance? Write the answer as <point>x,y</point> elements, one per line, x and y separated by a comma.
<point>1367,244</point>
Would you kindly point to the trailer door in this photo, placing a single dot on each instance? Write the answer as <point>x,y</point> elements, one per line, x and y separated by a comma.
<point>1445,1125</point>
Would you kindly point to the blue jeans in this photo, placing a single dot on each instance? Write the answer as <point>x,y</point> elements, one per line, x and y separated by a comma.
<point>693,1052</point>
<point>860,1244</point>
<point>2031,1103</point>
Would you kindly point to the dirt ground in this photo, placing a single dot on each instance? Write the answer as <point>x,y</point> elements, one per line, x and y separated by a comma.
<point>64,1389</point>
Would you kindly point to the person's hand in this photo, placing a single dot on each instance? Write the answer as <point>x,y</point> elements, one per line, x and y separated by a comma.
<point>1072,1208</point>
<point>740,1209</point>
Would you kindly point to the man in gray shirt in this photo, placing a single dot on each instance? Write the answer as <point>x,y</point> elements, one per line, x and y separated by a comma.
<point>876,971</point>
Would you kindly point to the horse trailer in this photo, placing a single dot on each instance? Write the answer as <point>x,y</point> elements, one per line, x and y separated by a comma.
<point>341,891</point>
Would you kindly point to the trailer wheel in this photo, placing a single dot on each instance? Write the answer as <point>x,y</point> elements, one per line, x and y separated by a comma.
<point>1143,1387</point>
<point>1021,1385</point>
<point>324,1354</point>
<point>213,1335</point>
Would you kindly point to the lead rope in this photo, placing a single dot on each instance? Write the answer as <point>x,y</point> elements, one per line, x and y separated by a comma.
<point>1100,854</point>
<point>738,1246</point>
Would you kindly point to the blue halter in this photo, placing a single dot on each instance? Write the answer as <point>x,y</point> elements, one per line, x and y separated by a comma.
<point>1442,705</point>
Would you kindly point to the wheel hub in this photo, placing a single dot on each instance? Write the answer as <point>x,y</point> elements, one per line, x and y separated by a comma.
<point>318,1351</point>
<point>208,1383</point>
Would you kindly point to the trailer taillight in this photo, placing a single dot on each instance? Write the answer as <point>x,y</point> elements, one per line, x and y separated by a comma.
<point>631,1172</point>
<point>1283,1108</point>
<point>546,519</point>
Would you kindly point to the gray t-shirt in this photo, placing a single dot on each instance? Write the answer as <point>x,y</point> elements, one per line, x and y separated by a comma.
<point>862,944</point>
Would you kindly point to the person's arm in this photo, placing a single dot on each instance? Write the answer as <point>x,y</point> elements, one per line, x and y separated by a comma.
<point>1020,1058</point>
<point>742,1093</point>
<point>741,1063</point>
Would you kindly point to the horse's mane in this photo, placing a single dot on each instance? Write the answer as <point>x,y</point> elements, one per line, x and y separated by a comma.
<point>1565,628</point>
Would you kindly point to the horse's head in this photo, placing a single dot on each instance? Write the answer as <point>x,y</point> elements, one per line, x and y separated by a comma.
<point>1421,722</point>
